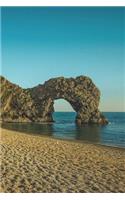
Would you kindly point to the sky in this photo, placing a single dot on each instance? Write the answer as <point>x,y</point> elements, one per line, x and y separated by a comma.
<point>39,43</point>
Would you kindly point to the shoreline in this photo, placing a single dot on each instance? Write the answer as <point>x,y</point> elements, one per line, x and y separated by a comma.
<point>31,163</point>
<point>63,139</point>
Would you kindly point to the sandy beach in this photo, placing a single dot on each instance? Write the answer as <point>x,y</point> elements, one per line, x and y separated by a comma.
<point>42,164</point>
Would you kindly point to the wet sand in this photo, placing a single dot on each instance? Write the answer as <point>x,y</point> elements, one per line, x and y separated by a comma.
<point>42,164</point>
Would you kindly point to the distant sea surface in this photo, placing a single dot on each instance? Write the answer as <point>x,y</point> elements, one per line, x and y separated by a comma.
<point>64,127</point>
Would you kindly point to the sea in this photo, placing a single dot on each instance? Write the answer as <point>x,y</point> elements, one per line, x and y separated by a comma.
<point>65,128</point>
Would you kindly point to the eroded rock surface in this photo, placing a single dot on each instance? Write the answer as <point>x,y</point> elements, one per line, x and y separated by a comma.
<point>36,104</point>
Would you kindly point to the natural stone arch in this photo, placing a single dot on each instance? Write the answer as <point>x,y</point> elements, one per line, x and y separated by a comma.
<point>81,93</point>
<point>37,104</point>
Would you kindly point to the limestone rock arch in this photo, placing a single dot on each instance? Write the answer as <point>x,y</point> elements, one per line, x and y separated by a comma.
<point>37,104</point>
<point>80,92</point>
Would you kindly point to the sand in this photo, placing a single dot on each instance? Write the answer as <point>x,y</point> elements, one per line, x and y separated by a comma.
<point>42,164</point>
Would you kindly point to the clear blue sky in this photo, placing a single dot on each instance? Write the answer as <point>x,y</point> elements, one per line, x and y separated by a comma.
<point>39,43</point>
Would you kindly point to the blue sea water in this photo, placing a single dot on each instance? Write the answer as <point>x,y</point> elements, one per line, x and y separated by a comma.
<point>64,127</point>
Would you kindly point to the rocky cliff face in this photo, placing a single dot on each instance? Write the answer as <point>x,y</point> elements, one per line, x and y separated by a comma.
<point>36,104</point>
<point>17,104</point>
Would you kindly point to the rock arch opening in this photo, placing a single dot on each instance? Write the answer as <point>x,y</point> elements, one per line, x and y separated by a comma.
<point>61,105</point>
<point>63,111</point>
